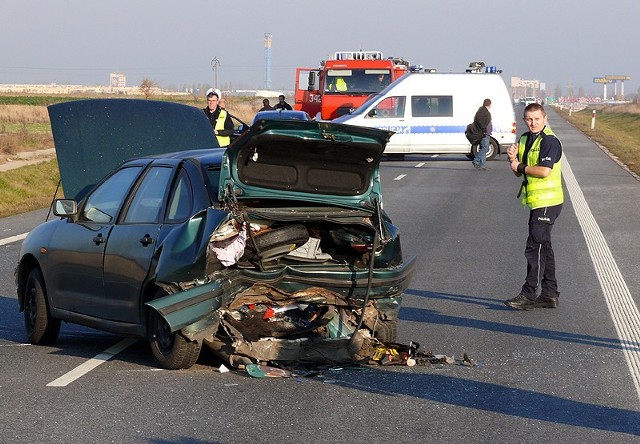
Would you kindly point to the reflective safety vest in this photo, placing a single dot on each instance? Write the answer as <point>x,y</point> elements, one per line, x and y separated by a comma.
<point>339,84</point>
<point>540,192</point>
<point>222,117</point>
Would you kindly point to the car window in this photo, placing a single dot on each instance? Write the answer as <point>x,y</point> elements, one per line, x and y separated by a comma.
<point>181,200</point>
<point>391,107</point>
<point>103,204</point>
<point>147,201</point>
<point>431,106</point>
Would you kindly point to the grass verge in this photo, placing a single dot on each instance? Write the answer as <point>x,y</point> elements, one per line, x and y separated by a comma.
<point>28,188</point>
<point>617,128</point>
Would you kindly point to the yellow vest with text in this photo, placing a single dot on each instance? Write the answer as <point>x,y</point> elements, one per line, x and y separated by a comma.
<point>222,140</point>
<point>539,192</point>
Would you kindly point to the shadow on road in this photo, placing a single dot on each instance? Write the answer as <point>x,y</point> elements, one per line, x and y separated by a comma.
<point>422,315</point>
<point>495,399</point>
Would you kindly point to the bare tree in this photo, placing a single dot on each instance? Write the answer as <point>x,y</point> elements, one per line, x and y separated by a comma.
<point>147,86</point>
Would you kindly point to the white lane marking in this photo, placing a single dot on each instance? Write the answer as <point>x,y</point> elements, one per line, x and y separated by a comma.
<point>16,238</point>
<point>420,165</point>
<point>622,308</point>
<point>400,177</point>
<point>92,363</point>
<point>435,155</point>
<point>14,345</point>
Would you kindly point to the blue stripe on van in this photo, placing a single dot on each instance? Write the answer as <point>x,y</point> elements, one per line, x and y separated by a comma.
<point>434,129</point>
<point>424,129</point>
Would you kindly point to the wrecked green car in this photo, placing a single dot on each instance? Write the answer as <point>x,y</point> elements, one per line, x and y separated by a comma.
<point>275,250</point>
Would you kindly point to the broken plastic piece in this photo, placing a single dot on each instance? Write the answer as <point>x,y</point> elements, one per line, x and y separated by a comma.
<point>222,369</point>
<point>310,251</point>
<point>265,371</point>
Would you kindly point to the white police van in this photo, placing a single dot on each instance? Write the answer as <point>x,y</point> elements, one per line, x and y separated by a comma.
<point>429,113</point>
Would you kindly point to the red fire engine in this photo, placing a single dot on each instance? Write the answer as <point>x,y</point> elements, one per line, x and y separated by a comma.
<point>343,83</point>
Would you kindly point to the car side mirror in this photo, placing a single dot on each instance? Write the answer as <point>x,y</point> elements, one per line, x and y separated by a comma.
<point>65,207</point>
<point>372,113</point>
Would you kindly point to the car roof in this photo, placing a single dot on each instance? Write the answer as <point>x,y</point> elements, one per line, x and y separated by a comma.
<point>281,114</point>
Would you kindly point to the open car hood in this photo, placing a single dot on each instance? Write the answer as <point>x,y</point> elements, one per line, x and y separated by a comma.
<point>94,136</point>
<point>306,161</point>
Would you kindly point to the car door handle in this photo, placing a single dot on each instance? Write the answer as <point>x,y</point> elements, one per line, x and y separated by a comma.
<point>99,239</point>
<point>146,240</point>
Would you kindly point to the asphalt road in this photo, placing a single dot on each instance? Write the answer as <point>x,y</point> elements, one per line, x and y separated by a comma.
<point>568,375</point>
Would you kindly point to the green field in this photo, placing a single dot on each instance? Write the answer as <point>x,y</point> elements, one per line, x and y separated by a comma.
<point>617,128</point>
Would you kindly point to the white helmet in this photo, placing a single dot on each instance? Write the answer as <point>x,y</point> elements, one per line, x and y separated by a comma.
<point>215,91</point>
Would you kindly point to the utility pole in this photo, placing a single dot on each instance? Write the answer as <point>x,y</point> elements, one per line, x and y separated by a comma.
<point>215,63</point>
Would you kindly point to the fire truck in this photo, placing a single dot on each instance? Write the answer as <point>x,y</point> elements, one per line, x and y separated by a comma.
<point>344,82</point>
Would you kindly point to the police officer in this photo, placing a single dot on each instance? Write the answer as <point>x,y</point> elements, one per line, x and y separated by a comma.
<point>219,117</point>
<point>536,158</point>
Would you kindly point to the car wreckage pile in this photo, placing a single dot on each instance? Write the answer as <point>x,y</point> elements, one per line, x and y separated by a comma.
<point>275,250</point>
<point>267,314</point>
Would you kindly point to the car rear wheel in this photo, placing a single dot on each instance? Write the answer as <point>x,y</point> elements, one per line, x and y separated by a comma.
<point>171,350</point>
<point>493,149</point>
<point>41,328</point>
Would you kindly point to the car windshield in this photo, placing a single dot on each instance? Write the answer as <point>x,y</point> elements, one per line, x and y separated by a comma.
<point>356,81</point>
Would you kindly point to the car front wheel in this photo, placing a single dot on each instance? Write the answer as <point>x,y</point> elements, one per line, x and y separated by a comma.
<point>171,350</point>
<point>41,328</point>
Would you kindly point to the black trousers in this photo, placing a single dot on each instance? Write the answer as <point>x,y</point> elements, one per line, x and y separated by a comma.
<point>541,262</point>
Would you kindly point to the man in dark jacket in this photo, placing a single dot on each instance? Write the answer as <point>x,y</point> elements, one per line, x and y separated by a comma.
<point>482,120</point>
<point>219,117</point>
<point>282,104</point>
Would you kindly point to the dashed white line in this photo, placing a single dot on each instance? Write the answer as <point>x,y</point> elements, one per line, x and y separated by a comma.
<point>92,363</point>
<point>16,238</point>
<point>400,177</point>
<point>420,165</point>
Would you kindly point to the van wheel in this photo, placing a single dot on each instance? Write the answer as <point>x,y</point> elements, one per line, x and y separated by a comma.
<point>491,154</point>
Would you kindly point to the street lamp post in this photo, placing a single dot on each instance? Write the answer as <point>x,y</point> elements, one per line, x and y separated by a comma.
<point>215,63</point>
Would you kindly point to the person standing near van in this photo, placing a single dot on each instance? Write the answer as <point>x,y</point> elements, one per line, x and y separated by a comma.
<point>536,158</point>
<point>482,120</point>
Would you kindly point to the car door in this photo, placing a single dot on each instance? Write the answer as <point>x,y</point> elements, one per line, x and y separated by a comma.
<point>76,251</point>
<point>132,243</point>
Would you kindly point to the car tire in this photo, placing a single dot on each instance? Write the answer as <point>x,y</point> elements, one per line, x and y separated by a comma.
<point>493,150</point>
<point>172,351</point>
<point>386,330</point>
<point>279,241</point>
<point>41,328</point>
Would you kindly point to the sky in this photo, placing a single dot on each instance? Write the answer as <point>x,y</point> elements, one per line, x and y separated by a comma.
<point>173,43</point>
